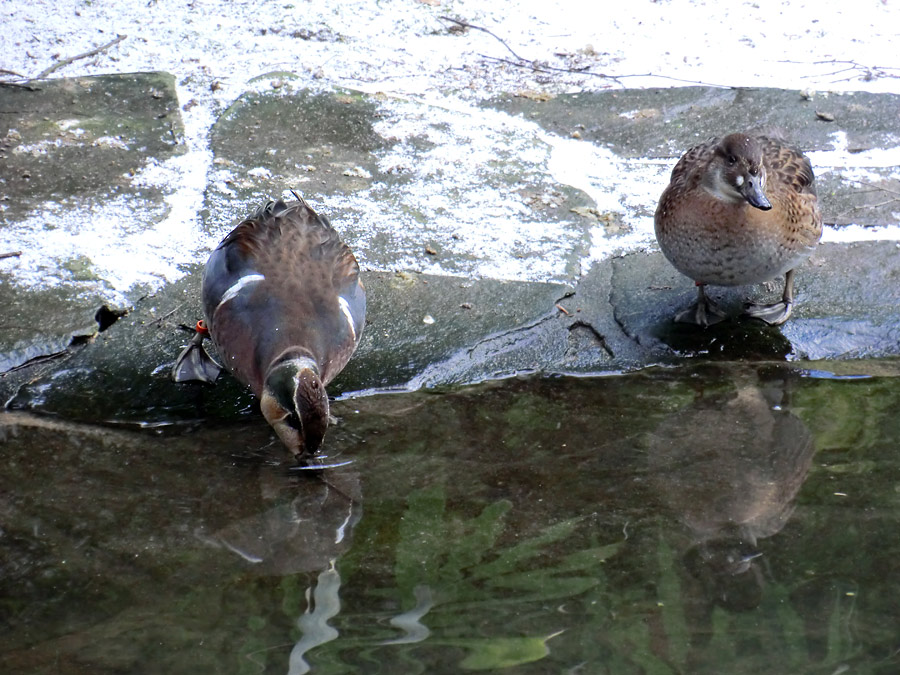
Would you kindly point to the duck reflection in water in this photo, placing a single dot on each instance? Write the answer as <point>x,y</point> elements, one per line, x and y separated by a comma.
<point>728,467</point>
<point>302,533</point>
<point>306,533</point>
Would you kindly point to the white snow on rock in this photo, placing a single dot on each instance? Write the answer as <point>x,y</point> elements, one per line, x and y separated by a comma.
<point>407,50</point>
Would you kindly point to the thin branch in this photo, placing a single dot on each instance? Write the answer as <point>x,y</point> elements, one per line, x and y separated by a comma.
<point>879,205</point>
<point>864,207</point>
<point>16,76</point>
<point>833,72</point>
<point>11,254</point>
<point>875,188</point>
<point>864,73</point>
<point>522,62</point>
<point>545,68</point>
<point>465,24</point>
<point>159,320</point>
<point>18,85</point>
<point>853,64</point>
<point>65,62</point>
<point>679,79</point>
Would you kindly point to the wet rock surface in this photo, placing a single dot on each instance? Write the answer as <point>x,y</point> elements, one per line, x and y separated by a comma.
<point>69,150</point>
<point>442,309</point>
<point>84,136</point>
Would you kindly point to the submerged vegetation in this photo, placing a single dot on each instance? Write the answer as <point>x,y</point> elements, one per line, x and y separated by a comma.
<point>737,519</point>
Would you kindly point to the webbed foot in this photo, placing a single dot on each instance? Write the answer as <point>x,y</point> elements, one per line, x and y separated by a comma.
<point>194,364</point>
<point>704,312</point>
<point>776,313</point>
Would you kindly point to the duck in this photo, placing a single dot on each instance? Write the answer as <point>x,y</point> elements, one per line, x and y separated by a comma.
<point>739,209</point>
<point>285,308</point>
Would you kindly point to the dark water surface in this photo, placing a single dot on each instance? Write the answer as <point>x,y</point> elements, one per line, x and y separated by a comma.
<point>722,519</point>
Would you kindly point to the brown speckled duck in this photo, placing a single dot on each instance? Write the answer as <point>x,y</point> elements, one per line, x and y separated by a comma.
<point>285,308</point>
<point>739,210</point>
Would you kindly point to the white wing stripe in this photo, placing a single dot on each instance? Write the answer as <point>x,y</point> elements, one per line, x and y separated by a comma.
<point>238,286</point>
<point>345,308</point>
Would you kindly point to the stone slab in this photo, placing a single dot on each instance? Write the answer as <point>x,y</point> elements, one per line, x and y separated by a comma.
<point>446,306</point>
<point>662,123</point>
<point>415,324</point>
<point>69,152</point>
<point>412,186</point>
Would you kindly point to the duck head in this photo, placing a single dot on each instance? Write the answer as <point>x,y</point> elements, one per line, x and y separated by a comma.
<point>737,172</point>
<point>295,403</point>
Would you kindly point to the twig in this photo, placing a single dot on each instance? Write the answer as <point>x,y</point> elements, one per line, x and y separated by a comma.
<point>679,79</point>
<point>879,204</point>
<point>11,254</point>
<point>545,68</point>
<point>865,207</point>
<point>879,188</point>
<point>874,189</point>
<point>522,62</point>
<point>61,64</point>
<point>158,321</point>
<point>865,73</point>
<point>465,24</point>
<point>852,64</point>
<point>18,85</point>
<point>855,64</point>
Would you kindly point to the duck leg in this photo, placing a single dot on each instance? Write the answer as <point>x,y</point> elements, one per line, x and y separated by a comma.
<point>704,312</point>
<point>776,313</point>
<point>194,364</point>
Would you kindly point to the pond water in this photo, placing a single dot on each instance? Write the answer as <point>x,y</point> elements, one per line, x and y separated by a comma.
<point>714,519</point>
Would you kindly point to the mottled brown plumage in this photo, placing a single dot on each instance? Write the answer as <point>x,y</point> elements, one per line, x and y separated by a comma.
<point>739,210</point>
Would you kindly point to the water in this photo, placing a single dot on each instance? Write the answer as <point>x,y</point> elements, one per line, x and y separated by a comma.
<point>715,519</point>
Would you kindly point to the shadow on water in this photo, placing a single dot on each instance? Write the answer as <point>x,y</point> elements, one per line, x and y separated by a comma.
<point>719,519</point>
<point>732,339</point>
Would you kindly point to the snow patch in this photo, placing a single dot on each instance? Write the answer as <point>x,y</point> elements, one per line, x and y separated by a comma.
<point>218,50</point>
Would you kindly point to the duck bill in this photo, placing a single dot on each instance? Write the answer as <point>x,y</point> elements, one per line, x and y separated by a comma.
<point>753,193</point>
<point>314,431</point>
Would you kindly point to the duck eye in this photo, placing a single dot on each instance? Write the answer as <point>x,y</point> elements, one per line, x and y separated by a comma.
<point>731,159</point>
